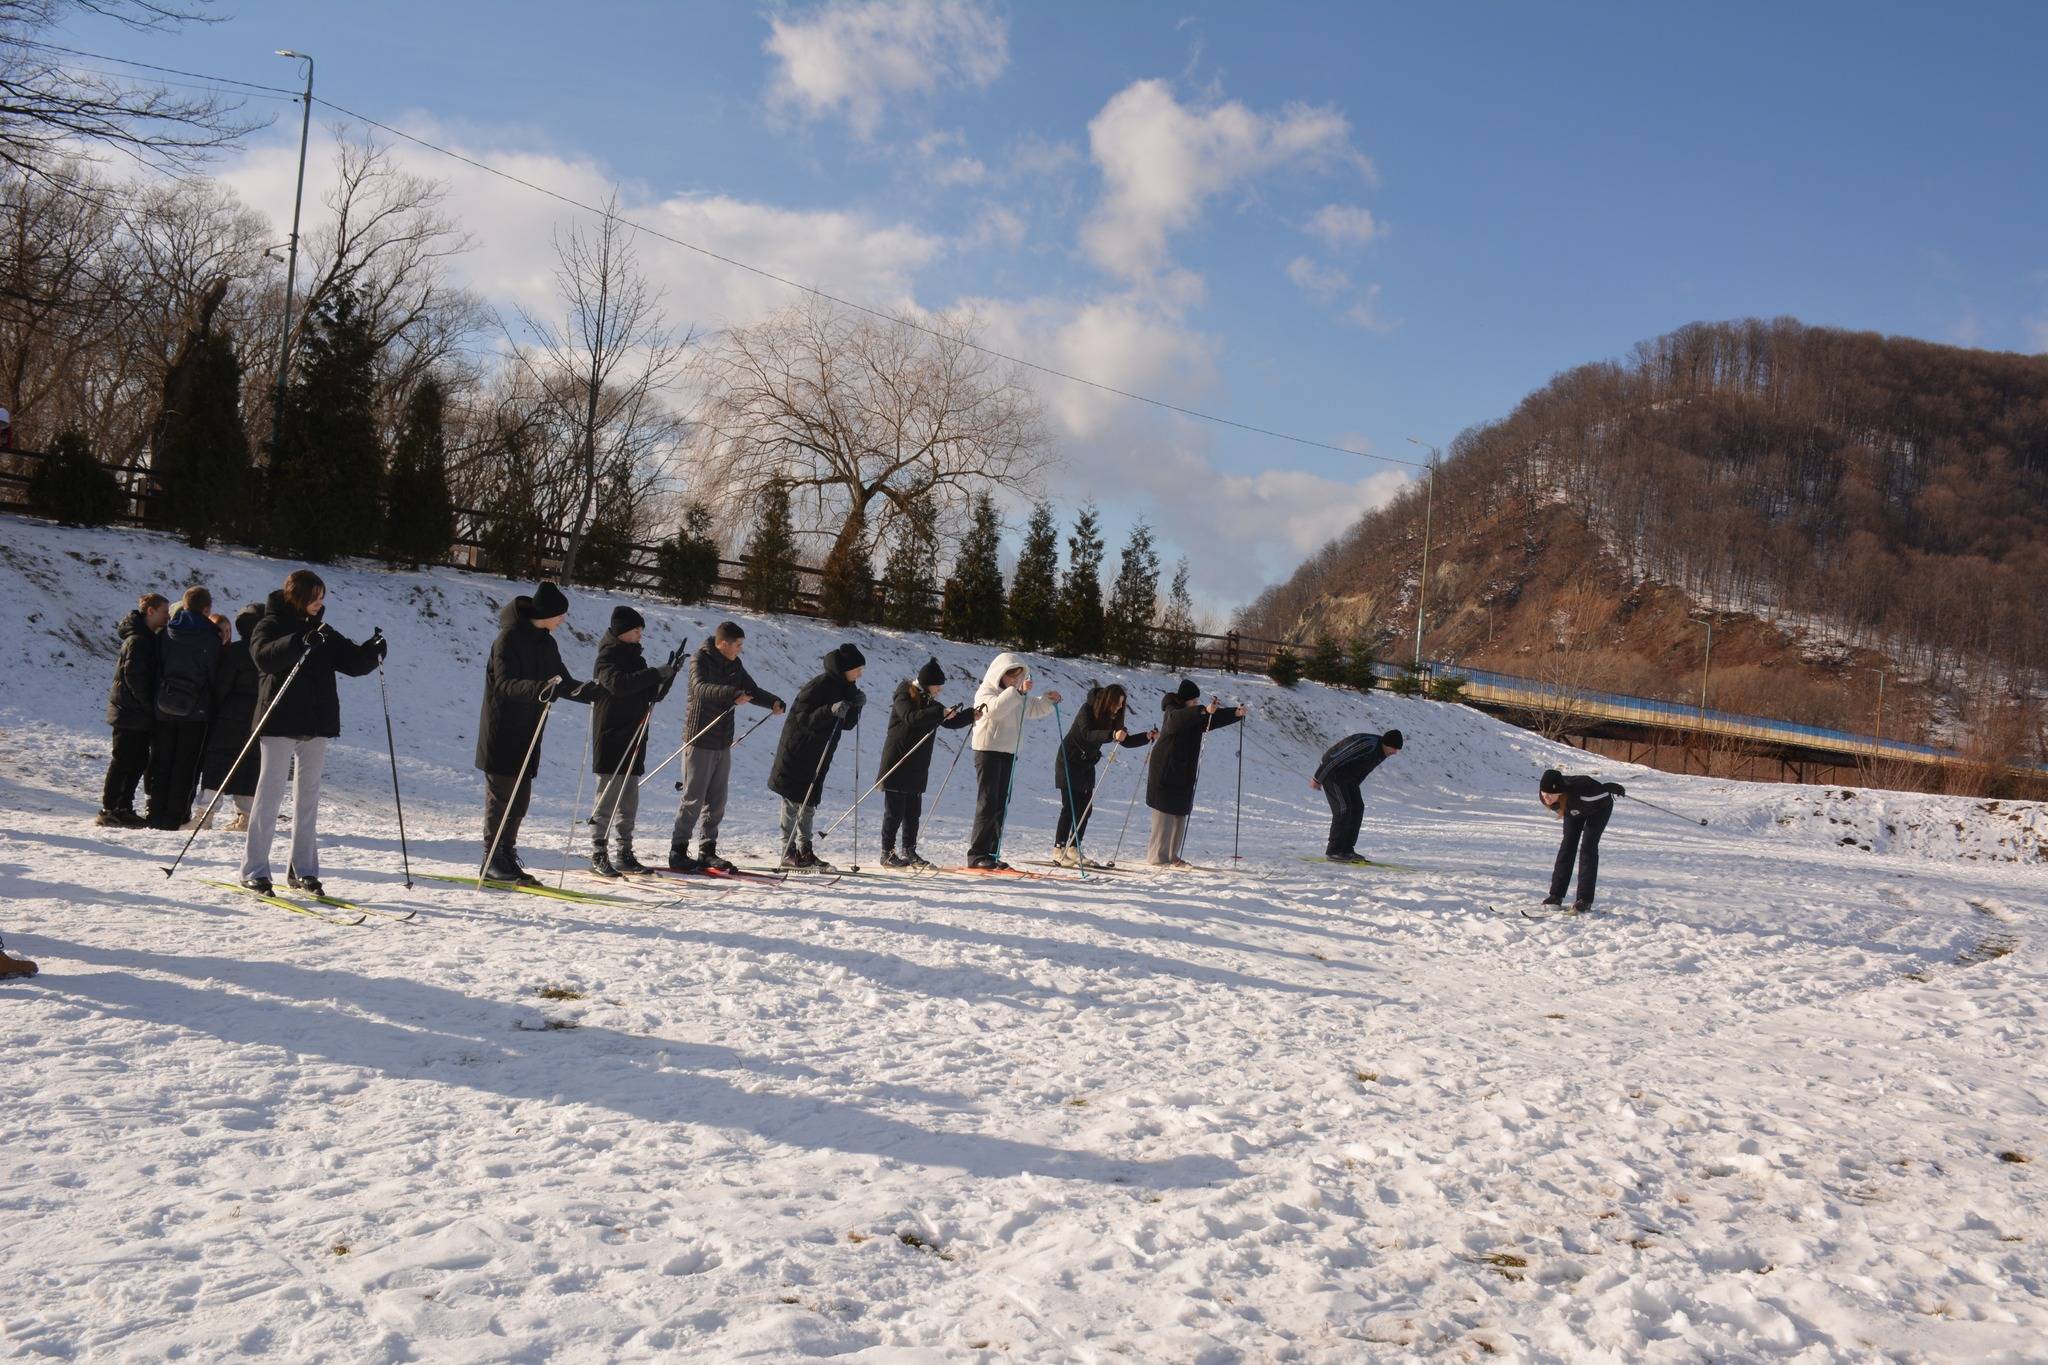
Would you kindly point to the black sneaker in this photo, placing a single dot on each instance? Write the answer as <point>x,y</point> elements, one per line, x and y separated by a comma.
<point>624,860</point>
<point>679,860</point>
<point>890,859</point>
<point>813,863</point>
<point>707,855</point>
<point>915,860</point>
<point>1552,902</point>
<point>260,885</point>
<point>504,869</point>
<point>601,864</point>
<point>1346,858</point>
<point>310,885</point>
<point>984,864</point>
<point>793,861</point>
<point>1581,907</point>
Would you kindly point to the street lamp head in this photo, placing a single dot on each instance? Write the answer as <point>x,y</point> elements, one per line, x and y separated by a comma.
<point>287,52</point>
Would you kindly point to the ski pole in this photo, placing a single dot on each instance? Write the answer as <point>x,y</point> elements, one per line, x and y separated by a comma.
<point>878,782</point>
<point>1066,788</point>
<point>391,748</point>
<point>796,824</point>
<point>616,783</point>
<point>1689,819</point>
<point>1237,830</point>
<point>532,744</point>
<point>1129,806</point>
<point>1181,844</point>
<point>1003,820</point>
<point>589,753</point>
<point>856,805</point>
<point>699,735</point>
<point>965,745</point>
<point>255,733</point>
<point>1101,780</point>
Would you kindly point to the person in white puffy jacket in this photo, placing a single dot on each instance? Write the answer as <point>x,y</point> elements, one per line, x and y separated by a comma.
<point>1005,702</point>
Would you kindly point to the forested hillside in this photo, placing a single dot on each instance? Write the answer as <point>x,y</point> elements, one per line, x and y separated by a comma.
<point>1859,503</point>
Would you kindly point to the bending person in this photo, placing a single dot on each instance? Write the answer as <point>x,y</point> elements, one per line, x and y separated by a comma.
<point>1340,777</point>
<point>1584,804</point>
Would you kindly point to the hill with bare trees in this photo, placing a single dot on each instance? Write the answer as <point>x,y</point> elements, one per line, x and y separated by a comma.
<point>1848,508</point>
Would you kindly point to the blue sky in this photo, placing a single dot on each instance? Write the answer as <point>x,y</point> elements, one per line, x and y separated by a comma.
<point>1352,222</point>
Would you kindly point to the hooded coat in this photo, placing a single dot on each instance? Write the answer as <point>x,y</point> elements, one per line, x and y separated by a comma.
<point>131,704</point>
<point>630,686</point>
<point>235,683</point>
<point>810,734</point>
<point>523,658</point>
<point>1086,739</point>
<point>311,709</point>
<point>1177,758</point>
<point>188,651</point>
<point>915,713</point>
<point>1351,759</point>
<point>715,683</point>
<point>1004,710</point>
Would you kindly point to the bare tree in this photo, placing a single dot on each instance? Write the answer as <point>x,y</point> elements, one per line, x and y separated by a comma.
<point>603,370</point>
<point>1566,670</point>
<point>50,105</point>
<point>867,415</point>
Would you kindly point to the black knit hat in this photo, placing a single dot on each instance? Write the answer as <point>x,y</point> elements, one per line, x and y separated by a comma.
<point>625,619</point>
<point>549,601</point>
<point>931,675</point>
<point>1552,781</point>
<point>1187,691</point>
<point>846,658</point>
<point>1391,740</point>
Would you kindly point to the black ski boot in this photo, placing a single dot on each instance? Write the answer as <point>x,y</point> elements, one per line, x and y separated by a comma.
<point>889,859</point>
<point>708,859</point>
<point>679,859</point>
<point>914,860</point>
<point>601,864</point>
<point>124,818</point>
<point>310,885</point>
<point>260,885</point>
<point>813,863</point>
<point>624,860</point>
<point>505,868</point>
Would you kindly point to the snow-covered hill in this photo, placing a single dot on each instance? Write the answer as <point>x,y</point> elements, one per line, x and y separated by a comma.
<point>1782,1098</point>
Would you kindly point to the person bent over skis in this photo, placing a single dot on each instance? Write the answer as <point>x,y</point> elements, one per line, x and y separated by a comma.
<point>1004,703</point>
<point>618,747</point>
<point>1176,763</point>
<point>916,715</point>
<point>826,705</point>
<point>525,674</point>
<point>1340,777</point>
<point>1584,804</point>
<point>1098,722</point>
<point>719,686</point>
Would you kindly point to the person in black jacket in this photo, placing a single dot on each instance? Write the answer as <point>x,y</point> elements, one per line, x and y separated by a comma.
<point>1176,762</point>
<point>234,712</point>
<point>1340,777</point>
<point>1584,804</point>
<point>618,746</point>
<point>131,709</point>
<point>915,715</point>
<point>719,686</point>
<point>1099,722</point>
<point>189,652</point>
<point>294,734</point>
<point>825,706</point>
<point>524,674</point>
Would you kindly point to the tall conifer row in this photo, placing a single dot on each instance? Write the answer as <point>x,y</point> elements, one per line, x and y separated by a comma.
<point>1081,593</point>
<point>419,514</point>
<point>1035,588</point>
<point>910,588</point>
<point>974,606</point>
<point>328,463</point>
<point>1127,622</point>
<point>770,580</point>
<point>202,451</point>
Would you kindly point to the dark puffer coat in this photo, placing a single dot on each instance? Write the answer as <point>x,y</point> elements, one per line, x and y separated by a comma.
<point>913,714</point>
<point>630,686</point>
<point>189,649</point>
<point>1351,759</point>
<point>1177,759</point>
<point>1087,738</point>
<point>131,705</point>
<point>810,734</point>
<point>523,658</point>
<point>234,711</point>
<point>715,681</point>
<point>311,709</point>
<point>1582,793</point>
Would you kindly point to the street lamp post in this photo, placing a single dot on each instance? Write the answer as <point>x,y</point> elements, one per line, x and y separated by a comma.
<point>1706,664</point>
<point>1428,513</point>
<point>291,267</point>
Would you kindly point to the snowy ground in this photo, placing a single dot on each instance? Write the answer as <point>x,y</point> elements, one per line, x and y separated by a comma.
<point>1782,1099</point>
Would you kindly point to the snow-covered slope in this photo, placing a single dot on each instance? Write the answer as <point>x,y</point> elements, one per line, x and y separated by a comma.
<point>1768,1104</point>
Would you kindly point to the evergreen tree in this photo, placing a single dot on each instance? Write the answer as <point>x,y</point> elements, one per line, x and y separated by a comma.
<point>686,565</point>
<point>1127,623</point>
<point>1358,668</point>
<point>843,591</point>
<point>1177,624</point>
<point>1325,664</point>
<point>328,464</point>
<point>770,581</point>
<point>1285,667</point>
<point>419,514</point>
<point>974,605</point>
<point>607,549</point>
<point>512,530</point>
<point>201,449</point>
<point>910,577</point>
<point>71,486</point>
<point>1081,594</point>
<point>1035,587</point>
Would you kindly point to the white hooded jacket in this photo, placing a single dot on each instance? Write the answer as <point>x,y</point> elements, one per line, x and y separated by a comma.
<point>1004,709</point>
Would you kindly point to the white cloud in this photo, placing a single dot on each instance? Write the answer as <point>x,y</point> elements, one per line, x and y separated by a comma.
<point>1161,161</point>
<point>851,57</point>
<point>1365,312</point>
<point>1343,225</point>
<point>1330,285</point>
<point>997,226</point>
<point>1324,282</point>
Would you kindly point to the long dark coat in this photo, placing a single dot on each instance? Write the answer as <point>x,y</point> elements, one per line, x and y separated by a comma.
<point>1177,758</point>
<point>523,658</point>
<point>630,686</point>
<point>235,685</point>
<point>1082,748</point>
<point>913,714</point>
<point>810,735</point>
<point>131,703</point>
<point>311,709</point>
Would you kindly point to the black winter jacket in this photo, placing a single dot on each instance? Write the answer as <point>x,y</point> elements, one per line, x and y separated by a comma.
<point>1086,739</point>
<point>1177,758</point>
<point>312,708</point>
<point>1581,792</point>
<point>913,714</point>
<point>234,711</point>
<point>523,658</point>
<point>131,704</point>
<point>714,681</point>
<point>1351,759</point>
<point>810,735</point>
<point>189,650</point>
<point>630,686</point>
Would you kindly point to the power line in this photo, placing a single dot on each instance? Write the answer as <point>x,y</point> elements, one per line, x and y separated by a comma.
<point>147,66</point>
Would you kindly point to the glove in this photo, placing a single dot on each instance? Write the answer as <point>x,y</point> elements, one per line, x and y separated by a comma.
<point>675,660</point>
<point>843,709</point>
<point>379,646</point>
<point>586,691</point>
<point>668,671</point>
<point>319,635</point>
<point>1617,789</point>
<point>547,689</point>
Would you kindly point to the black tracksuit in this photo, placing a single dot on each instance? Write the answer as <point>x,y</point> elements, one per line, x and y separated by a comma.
<point>189,650</point>
<point>914,716</point>
<point>1342,774</point>
<point>1588,802</point>
<point>131,711</point>
<point>1075,764</point>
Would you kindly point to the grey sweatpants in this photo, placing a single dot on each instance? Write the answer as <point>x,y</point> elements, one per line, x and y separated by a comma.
<point>281,757</point>
<point>1169,832</point>
<point>618,803</point>
<point>795,826</point>
<point>705,774</point>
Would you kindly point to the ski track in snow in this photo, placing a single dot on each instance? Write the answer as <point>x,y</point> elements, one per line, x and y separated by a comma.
<point>1752,1109</point>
